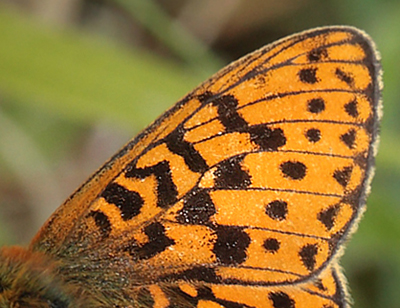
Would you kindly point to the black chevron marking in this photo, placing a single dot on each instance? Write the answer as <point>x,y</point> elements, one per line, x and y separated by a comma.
<point>129,202</point>
<point>166,189</point>
<point>228,114</point>
<point>158,242</point>
<point>177,145</point>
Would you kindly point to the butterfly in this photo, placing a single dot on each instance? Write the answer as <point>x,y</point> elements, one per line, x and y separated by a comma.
<point>240,195</point>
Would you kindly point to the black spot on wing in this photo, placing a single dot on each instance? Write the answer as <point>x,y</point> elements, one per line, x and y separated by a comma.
<point>317,54</point>
<point>316,105</point>
<point>197,208</point>
<point>177,298</point>
<point>271,245</point>
<point>342,176</point>
<point>313,135</point>
<point>307,255</point>
<point>293,170</point>
<point>129,202</point>
<point>166,190</point>
<point>308,75</point>
<point>281,300</point>
<point>229,174</point>
<point>351,109</point>
<point>266,138</point>
<point>349,138</point>
<point>328,216</point>
<point>343,76</point>
<point>277,210</point>
<point>231,244</point>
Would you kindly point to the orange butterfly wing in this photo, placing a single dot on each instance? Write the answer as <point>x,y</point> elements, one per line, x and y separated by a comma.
<point>243,192</point>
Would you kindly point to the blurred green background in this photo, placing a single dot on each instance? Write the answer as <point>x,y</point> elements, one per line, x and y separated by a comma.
<point>79,78</point>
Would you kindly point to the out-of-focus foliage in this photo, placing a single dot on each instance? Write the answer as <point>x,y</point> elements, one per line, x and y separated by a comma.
<point>71,93</point>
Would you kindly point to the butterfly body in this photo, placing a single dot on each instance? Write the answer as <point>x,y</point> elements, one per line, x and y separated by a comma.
<point>241,195</point>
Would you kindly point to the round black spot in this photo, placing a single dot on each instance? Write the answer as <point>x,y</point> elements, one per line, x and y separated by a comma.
<point>281,300</point>
<point>277,209</point>
<point>271,245</point>
<point>294,170</point>
<point>316,105</point>
<point>308,75</point>
<point>313,135</point>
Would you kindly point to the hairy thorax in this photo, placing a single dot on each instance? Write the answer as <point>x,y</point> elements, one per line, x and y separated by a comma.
<point>29,279</point>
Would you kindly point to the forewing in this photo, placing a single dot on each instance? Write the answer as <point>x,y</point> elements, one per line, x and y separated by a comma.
<point>253,180</point>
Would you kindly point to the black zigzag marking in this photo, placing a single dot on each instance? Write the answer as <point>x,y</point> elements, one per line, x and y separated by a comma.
<point>228,115</point>
<point>186,150</point>
<point>266,138</point>
<point>166,189</point>
<point>158,242</point>
<point>129,202</point>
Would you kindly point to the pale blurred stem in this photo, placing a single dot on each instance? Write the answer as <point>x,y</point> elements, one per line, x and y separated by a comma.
<point>24,159</point>
<point>181,42</point>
